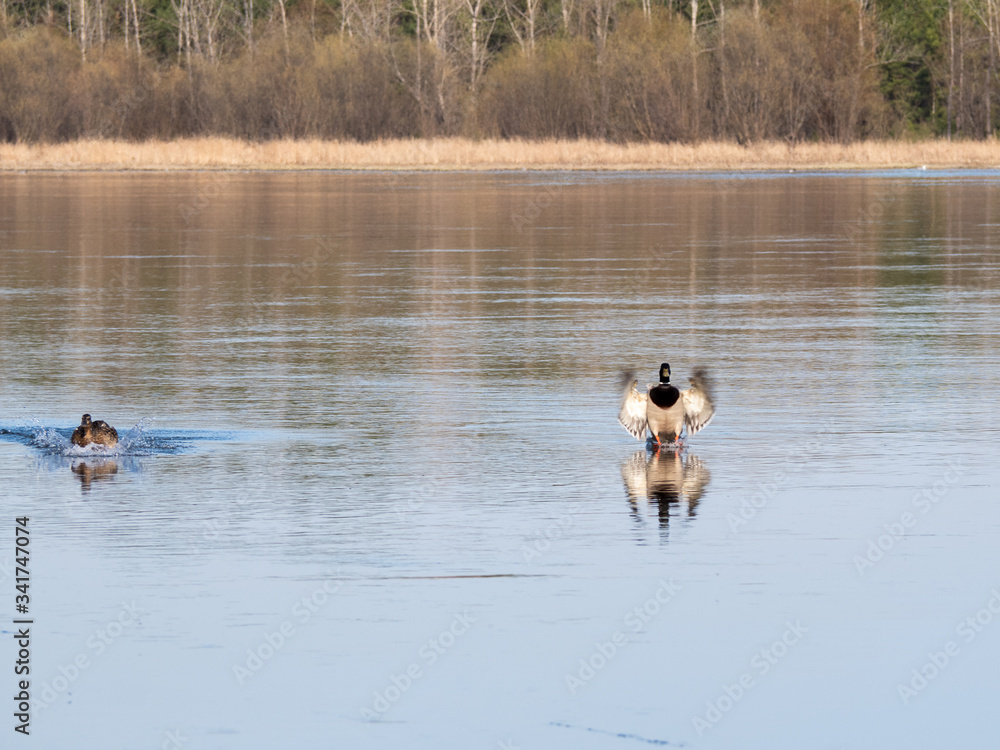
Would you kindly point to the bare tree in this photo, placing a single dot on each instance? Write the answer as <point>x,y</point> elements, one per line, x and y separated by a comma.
<point>862,12</point>
<point>438,27</point>
<point>198,23</point>
<point>482,20</point>
<point>100,22</point>
<point>523,20</point>
<point>694,57</point>
<point>987,12</point>
<point>951,53</point>
<point>566,8</point>
<point>434,18</point>
<point>602,12</point>
<point>188,40</point>
<point>69,18</point>
<point>246,22</point>
<point>435,34</point>
<point>83,28</point>
<point>131,13</point>
<point>370,20</point>
<point>993,24</point>
<point>722,55</point>
<point>135,20</point>
<point>647,10</point>
<point>284,26</point>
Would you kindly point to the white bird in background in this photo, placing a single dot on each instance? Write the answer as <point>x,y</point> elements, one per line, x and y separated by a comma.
<point>663,409</point>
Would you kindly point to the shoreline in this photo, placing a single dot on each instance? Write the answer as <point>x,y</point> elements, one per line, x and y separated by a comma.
<point>463,154</point>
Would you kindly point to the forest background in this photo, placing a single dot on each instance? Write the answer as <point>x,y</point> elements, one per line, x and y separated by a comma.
<point>616,70</point>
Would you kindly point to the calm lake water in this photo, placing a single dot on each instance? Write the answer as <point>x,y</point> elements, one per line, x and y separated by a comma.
<point>372,492</point>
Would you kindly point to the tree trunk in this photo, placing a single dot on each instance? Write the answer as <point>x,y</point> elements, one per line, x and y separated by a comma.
<point>439,21</point>
<point>83,28</point>
<point>420,72</point>
<point>474,30</point>
<point>695,94</point>
<point>951,73</point>
<point>135,20</point>
<point>248,23</point>
<point>532,14</point>
<point>960,113</point>
<point>861,24</point>
<point>566,8</point>
<point>522,23</point>
<point>100,22</point>
<point>284,27</point>
<point>994,18</point>
<point>723,68</point>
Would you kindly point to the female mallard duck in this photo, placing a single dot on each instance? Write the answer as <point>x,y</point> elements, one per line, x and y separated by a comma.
<point>664,409</point>
<point>98,433</point>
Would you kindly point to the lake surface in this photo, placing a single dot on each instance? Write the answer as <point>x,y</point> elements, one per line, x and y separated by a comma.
<point>372,492</point>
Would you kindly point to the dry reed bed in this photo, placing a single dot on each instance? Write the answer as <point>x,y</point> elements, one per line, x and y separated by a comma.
<point>467,154</point>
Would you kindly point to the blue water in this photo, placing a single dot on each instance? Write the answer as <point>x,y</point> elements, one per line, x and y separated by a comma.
<point>371,491</point>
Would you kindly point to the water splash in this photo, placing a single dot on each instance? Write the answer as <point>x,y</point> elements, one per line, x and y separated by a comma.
<point>139,440</point>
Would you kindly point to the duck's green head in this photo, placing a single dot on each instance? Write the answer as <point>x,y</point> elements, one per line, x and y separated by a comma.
<point>664,373</point>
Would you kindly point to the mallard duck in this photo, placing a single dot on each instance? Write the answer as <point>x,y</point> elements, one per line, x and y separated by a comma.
<point>91,470</point>
<point>663,409</point>
<point>667,478</point>
<point>99,433</point>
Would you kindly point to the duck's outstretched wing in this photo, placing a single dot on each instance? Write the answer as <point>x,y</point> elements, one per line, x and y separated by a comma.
<point>698,407</point>
<point>634,476</point>
<point>696,478</point>
<point>99,425</point>
<point>632,413</point>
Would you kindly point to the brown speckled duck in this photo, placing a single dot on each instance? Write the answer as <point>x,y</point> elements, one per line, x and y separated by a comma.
<point>98,433</point>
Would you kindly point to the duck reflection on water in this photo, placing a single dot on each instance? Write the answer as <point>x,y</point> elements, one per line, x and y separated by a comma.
<point>671,479</point>
<point>90,470</point>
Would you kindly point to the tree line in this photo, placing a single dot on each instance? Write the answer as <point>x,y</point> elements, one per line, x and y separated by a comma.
<point>624,70</point>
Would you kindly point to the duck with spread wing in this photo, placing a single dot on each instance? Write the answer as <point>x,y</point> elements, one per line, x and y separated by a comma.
<point>664,409</point>
<point>97,432</point>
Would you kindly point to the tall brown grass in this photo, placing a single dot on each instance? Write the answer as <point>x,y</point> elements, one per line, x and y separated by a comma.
<point>490,154</point>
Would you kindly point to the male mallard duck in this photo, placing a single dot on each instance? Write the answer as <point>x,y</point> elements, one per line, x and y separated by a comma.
<point>99,433</point>
<point>664,409</point>
<point>667,478</point>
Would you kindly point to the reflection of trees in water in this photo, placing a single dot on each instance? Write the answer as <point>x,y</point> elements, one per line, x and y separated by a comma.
<point>672,481</point>
<point>90,470</point>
